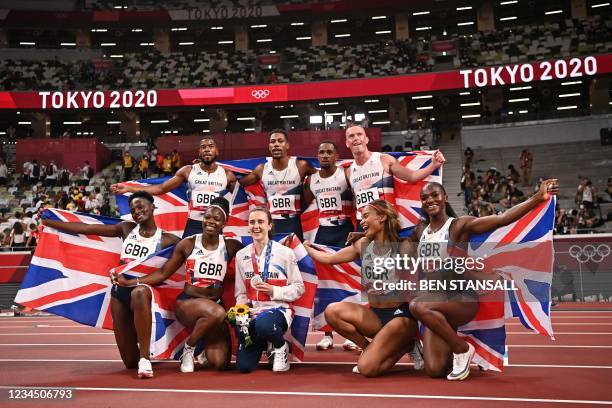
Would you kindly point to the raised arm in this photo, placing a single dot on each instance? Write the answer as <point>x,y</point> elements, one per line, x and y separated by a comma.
<point>412,176</point>
<point>179,178</point>
<point>347,254</point>
<point>471,225</point>
<point>117,230</point>
<point>253,177</point>
<point>231,180</point>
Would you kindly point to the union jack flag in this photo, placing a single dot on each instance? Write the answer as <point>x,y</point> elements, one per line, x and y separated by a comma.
<point>521,252</point>
<point>170,208</point>
<point>69,276</point>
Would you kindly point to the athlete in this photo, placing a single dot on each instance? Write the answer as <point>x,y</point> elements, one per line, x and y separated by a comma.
<point>130,306</point>
<point>206,257</point>
<point>282,177</point>
<point>387,320</point>
<point>268,279</point>
<point>329,187</point>
<point>442,312</point>
<point>205,180</point>
<point>372,172</point>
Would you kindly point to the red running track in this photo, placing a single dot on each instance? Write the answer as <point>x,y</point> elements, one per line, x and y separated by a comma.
<point>575,369</point>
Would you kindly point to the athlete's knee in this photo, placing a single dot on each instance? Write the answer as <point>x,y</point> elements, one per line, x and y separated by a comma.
<point>418,309</point>
<point>244,367</point>
<point>435,370</point>
<point>140,297</point>
<point>368,369</point>
<point>333,312</point>
<point>218,315</point>
<point>219,364</point>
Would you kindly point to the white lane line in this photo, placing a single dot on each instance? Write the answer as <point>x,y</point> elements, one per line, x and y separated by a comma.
<point>332,395</point>
<point>351,363</point>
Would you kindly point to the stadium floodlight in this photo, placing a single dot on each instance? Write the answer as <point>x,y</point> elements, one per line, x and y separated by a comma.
<point>160,121</point>
<point>471,104</point>
<point>297,24</point>
<point>420,13</point>
<point>520,88</point>
<point>508,18</point>
<point>145,44</point>
<point>548,13</point>
<point>179,29</point>
<point>99,30</point>
<point>206,131</point>
<point>600,5</point>
<point>113,122</point>
<point>518,100</point>
<point>334,114</point>
<point>137,30</point>
<point>378,17</point>
<point>371,100</point>
<point>249,129</point>
<point>567,107</point>
<point>225,42</point>
<point>464,8</point>
<point>263,40</point>
<point>424,107</point>
<point>186,43</point>
<point>467,23</point>
<point>523,111</point>
<point>201,120</point>
<point>569,95</point>
<point>464,93</point>
<point>216,28</point>
<point>505,3</point>
<point>68,44</point>
<point>316,120</point>
<point>571,83</point>
<point>289,116</point>
<point>246,118</point>
<point>24,123</point>
<point>359,117</point>
<point>328,103</point>
<point>303,38</point>
<point>27,43</point>
<point>343,20</point>
<point>259,26</point>
<point>384,32</point>
<point>378,111</point>
<point>469,116</point>
<point>108,44</point>
<point>422,28</point>
<point>73,123</point>
<point>381,122</point>
<point>342,35</point>
<point>423,97</point>
<point>116,55</point>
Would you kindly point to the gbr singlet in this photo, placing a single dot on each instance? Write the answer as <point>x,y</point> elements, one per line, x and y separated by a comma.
<point>135,246</point>
<point>369,181</point>
<point>204,187</point>
<point>333,197</point>
<point>283,189</point>
<point>206,267</point>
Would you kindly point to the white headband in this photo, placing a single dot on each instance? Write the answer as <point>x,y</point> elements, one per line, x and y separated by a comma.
<point>220,209</point>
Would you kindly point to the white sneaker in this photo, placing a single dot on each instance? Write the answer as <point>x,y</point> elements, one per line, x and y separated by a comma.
<point>349,345</point>
<point>187,364</point>
<point>144,368</point>
<point>326,343</point>
<point>461,365</point>
<point>417,355</point>
<point>201,358</point>
<point>281,359</point>
<point>356,370</point>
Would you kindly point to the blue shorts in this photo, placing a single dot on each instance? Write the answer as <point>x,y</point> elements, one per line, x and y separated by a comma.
<point>192,227</point>
<point>385,315</point>
<point>333,236</point>
<point>123,294</point>
<point>288,226</point>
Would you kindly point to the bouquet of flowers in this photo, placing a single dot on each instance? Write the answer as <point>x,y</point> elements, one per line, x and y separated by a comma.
<point>239,316</point>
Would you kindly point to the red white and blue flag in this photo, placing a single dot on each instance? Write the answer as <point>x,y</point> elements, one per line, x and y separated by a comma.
<point>521,252</point>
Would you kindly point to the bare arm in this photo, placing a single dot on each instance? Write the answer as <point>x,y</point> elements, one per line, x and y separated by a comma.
<point>231,180</point>
<point>412,176</point>
<point>179,178</point>
<point>308,196</point>
<point>253,177</point>
<point>305,168</point>
<point>169,240</point>
<point>472,225</point>
<point>347,254</point>
<point>118,230</point>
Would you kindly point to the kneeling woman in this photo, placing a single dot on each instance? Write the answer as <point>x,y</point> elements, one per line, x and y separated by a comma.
<point>268,279</point>
<point>130,306</point>
<point>387,321</point>
<point>199,308</point>
<point>442,312</point>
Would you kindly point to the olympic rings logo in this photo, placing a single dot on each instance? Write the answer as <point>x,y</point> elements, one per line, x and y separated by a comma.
<point>589,253</point>
<point>260,93</point>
